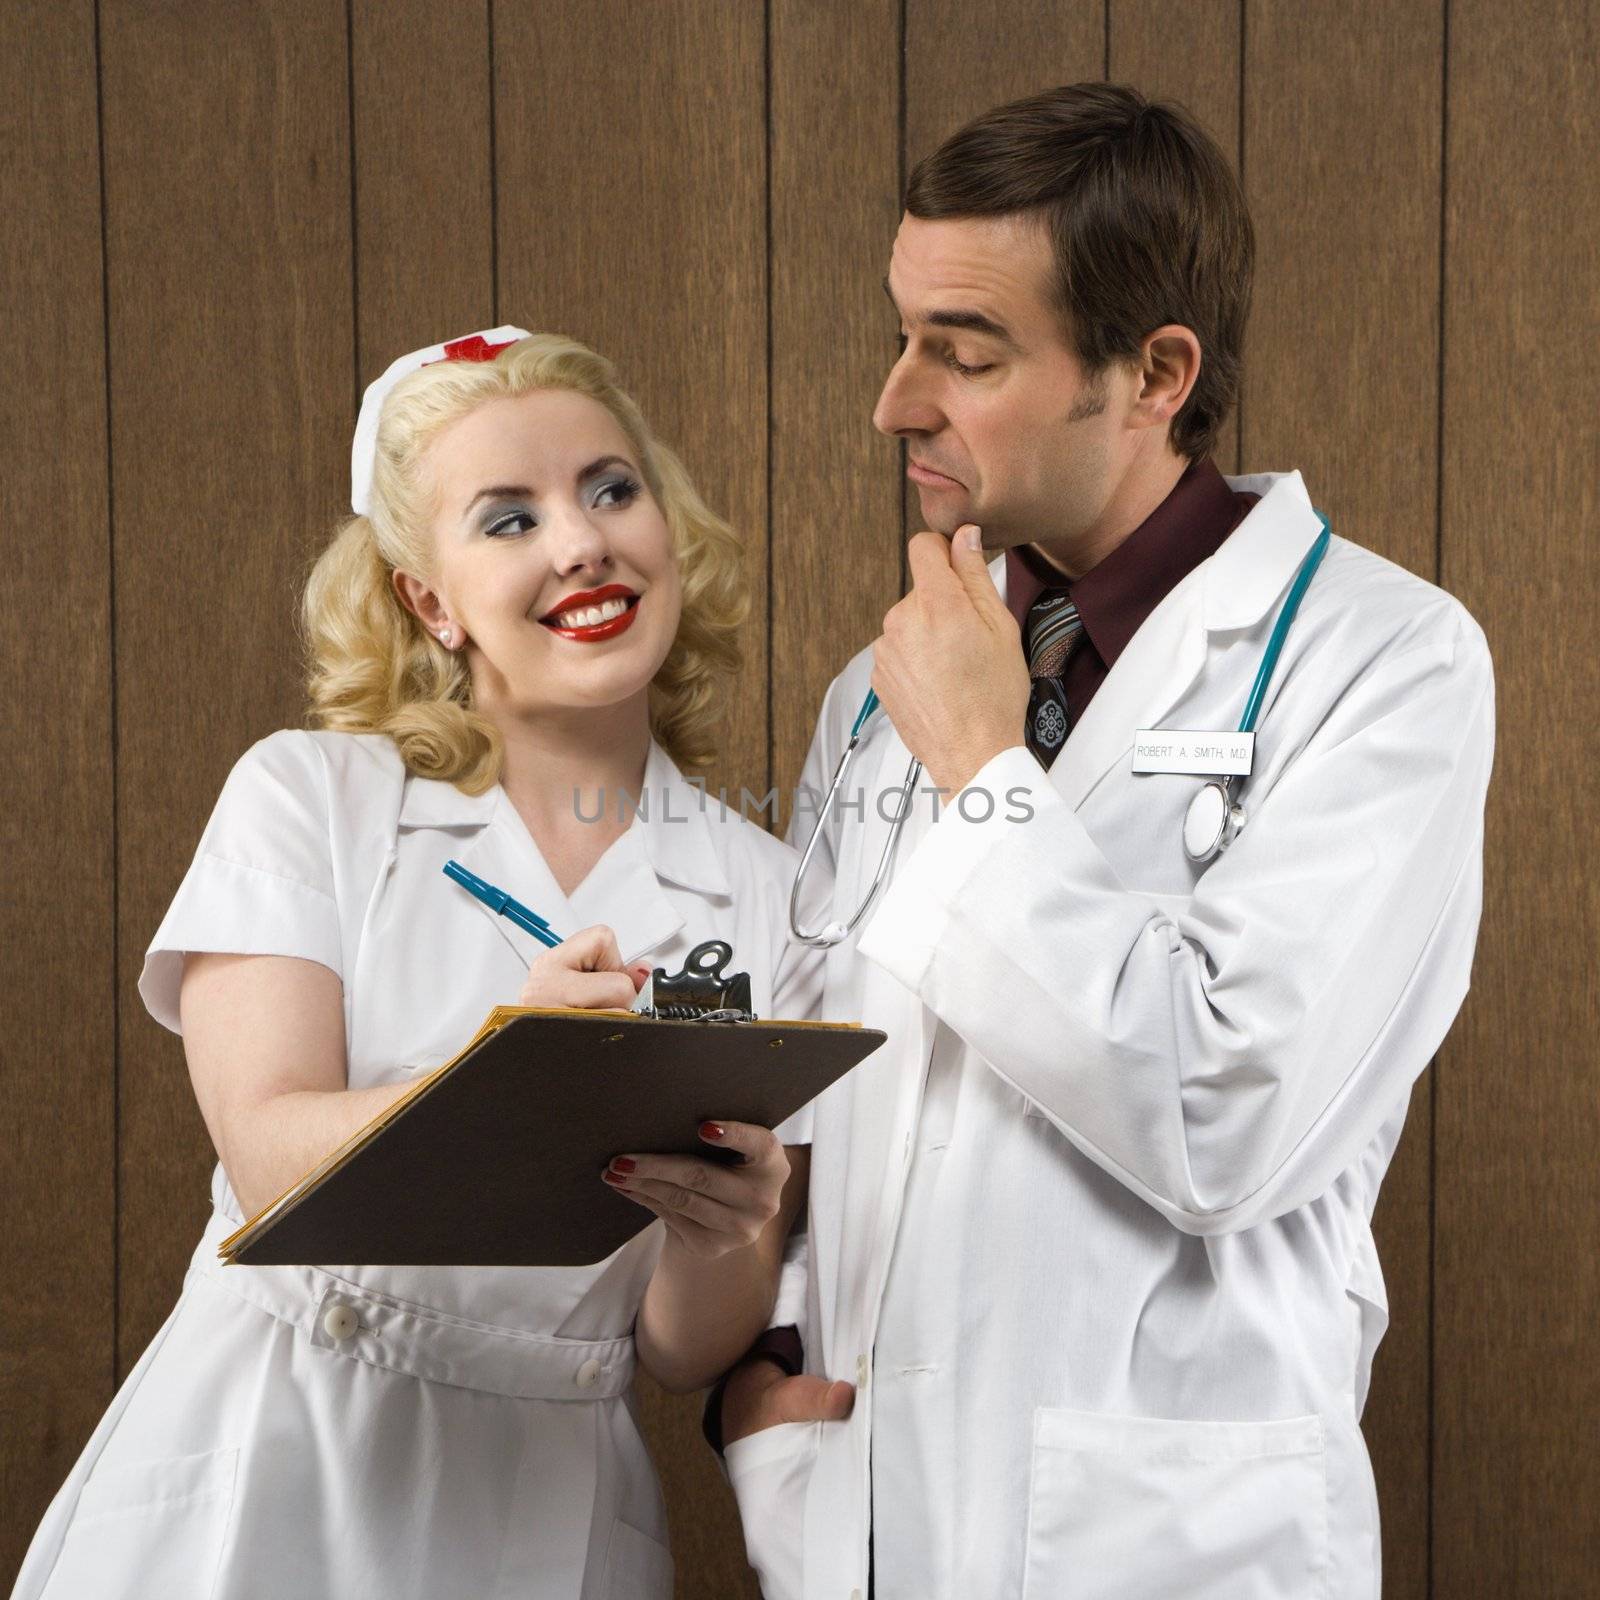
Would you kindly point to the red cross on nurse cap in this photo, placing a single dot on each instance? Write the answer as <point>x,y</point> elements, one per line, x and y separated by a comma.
<point>484,346</point>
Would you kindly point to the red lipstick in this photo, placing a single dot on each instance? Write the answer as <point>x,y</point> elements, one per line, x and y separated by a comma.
<point>594,632</point>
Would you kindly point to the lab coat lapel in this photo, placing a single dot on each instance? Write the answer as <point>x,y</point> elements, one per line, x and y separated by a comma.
<point>879,1100</point>
<point>887,1104</point>
<point>1231,591</point>
<point>1152,674</point>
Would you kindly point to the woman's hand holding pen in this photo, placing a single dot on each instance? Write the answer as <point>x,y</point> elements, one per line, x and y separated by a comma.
<point>583,973</point>
<point>709,1208</point>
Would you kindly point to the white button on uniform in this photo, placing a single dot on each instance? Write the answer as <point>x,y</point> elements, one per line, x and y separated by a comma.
<point>339,1322</point>
<point>861,1372</point>
<point>589,1374</point>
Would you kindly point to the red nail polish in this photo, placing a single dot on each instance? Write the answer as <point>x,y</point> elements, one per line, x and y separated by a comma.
<point>613,1177</point>
<point>714,1131</point>
<point>624,1164</point>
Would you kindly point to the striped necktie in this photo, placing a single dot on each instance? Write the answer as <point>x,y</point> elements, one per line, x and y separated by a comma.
<point>1050,635</point>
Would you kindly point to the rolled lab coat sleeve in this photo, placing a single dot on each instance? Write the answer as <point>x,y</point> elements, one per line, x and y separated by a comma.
<point>1224,1055</point>
<point>262,881</point>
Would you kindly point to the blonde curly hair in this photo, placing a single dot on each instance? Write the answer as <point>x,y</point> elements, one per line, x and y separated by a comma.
<point>373,668</point>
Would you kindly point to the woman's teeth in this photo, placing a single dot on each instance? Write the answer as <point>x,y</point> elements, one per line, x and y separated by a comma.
<point>591,616</point>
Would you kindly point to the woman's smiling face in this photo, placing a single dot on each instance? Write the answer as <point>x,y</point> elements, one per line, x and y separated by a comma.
<point>550,555</point>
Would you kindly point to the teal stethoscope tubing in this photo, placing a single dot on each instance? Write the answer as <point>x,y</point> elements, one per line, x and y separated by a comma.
<point>1280,629</point>
<point>868,706</point>
<point>1215,816</point>
<point>836,932</point>
<point>833,933</point>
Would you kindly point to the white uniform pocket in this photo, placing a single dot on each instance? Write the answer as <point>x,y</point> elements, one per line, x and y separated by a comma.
<point>148,1528</point>
<point>1133,1506</point>
<point>769,1472</point>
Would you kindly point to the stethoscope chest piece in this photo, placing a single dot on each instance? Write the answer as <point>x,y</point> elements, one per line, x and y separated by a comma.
<point>1210,823</point>
<point>1214,817</point>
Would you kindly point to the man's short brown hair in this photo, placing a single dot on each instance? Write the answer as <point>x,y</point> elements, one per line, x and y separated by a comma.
<point>1146,220</point>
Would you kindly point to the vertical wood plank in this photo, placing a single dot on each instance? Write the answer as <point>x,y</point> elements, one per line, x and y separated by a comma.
<point>706,1536</point>
<point>836,521</point>
<point>1517,1356</point>
<point>228,236</point>
<point>57,907</point>
<point>1022,47</point>
<point>1341,161</point>
<point>424,235</point>
<point>631,203</point>
<point>631,198</point>
<point>1342,166</point>
<point>1189,54</point>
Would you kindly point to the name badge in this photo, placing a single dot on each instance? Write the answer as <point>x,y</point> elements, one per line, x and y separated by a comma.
<point>1210,755</point>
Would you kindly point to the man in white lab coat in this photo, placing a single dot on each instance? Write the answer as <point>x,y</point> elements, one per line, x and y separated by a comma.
<point>1090,1235</point>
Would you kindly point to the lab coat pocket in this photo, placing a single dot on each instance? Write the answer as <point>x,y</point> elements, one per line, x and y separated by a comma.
<point>637,1566</point>
<point>148,1528</point>
<point>1124,1506</point>
<point>769,1472</point>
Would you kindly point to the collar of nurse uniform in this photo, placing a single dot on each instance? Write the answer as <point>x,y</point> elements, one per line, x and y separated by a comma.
<point>677,827</point>
<point>674,819</point>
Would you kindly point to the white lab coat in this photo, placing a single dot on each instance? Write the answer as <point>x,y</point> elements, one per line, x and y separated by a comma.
<point>474,1435</point>
<point>1092,1230</point>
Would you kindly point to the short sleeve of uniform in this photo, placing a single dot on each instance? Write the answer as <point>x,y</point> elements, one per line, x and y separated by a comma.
<point>261,883</point>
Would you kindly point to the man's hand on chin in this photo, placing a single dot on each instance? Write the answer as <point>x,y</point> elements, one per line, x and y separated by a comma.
<point>949,667</point>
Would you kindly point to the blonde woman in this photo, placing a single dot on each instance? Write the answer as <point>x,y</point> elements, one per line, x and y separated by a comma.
<point>527,618</point>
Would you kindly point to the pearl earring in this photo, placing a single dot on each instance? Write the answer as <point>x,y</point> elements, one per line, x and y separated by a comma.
<point>447,637</point>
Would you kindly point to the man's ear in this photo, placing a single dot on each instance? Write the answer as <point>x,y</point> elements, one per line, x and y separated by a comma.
<point>1169,366</point>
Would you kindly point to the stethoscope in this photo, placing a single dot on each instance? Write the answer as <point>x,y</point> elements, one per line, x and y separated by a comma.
<point>836,932</point>
<point>1210,825</point>
<point>1215,816</point>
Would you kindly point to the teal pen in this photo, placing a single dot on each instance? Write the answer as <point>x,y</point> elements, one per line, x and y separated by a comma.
<point>499,900</point>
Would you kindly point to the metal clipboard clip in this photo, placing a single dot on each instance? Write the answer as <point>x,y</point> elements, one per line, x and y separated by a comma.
<point>702,992</point>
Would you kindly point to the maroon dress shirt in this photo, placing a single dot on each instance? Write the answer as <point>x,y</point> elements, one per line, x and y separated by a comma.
<point>1115,597</point>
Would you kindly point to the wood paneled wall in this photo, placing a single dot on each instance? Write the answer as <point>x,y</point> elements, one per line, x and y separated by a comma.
<point>221,219</point>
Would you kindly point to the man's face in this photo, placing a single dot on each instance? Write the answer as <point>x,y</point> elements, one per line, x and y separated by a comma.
<point>1002,427</point>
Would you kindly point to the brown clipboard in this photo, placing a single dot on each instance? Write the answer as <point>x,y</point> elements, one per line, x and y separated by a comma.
<point>494,1159</point>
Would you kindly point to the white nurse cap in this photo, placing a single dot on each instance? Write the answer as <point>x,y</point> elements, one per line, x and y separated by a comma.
<point>483,346</point>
